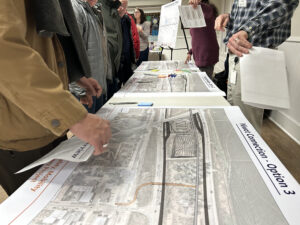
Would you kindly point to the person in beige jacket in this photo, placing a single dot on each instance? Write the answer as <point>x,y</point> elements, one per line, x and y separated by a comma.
<point>36,109</point>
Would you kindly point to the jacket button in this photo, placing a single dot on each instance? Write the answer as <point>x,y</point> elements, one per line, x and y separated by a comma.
<point>60,64</point>
<point>55,123</point>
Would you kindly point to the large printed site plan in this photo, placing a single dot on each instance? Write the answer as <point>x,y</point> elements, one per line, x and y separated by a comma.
<point>166,166</point>
<point>185,83</point>
<point>169,65</point>
<point>168,78</point>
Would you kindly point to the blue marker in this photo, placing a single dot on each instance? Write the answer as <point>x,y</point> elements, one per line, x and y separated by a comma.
<point>145,104</point>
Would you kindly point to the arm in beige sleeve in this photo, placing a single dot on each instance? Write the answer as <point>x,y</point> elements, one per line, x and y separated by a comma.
<point>25,78</point>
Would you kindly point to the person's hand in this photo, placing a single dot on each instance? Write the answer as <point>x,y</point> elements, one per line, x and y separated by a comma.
<point>86,100</point>
<point>121,11</point>
<point>221,22</point>
<point>238,43</point>
<point>91,85</point>
<point>139,28</point>
<point>188,58</point>
<point>194,3</point>
<point>93,130</point>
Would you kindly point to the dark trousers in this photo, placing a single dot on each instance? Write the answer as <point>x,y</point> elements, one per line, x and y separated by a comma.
<point>113,87</point>
<point>209,70</point>
<point>13,161</point>
<point>125,71</point>
<point>97,104</point>
<point>143,56</point>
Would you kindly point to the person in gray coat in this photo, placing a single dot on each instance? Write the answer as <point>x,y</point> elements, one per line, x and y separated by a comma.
<point>92,29</point>
<point>115,39</point>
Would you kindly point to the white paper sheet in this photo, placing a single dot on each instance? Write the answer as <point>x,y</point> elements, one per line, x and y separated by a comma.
<point>192,18</point>
<point>73,150</point>
<point>168,26</point>
<point>26,202</point>
<point>264,81</point>
<point>282,185</point>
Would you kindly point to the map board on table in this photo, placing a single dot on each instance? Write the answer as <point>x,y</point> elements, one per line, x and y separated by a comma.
<point>164,166</point>
<point>173,84</point>
<point>168,26</point>
<point>167,65</point>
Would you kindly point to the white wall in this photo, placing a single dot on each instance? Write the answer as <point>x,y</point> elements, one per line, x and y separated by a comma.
<point>296,23</point>
<point>289,120</point>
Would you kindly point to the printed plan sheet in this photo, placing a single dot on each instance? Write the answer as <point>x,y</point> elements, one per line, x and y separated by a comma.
<point>192,18</point>
<point>168,25</point>
<point>167,66</point>
<point>164,166</point>
<point>178,83</point>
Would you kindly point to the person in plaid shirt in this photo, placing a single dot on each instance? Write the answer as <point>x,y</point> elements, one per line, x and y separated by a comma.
<point>260,23</point>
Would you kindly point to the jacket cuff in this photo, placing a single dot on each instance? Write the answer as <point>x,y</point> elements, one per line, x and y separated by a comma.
<point>65,114</point>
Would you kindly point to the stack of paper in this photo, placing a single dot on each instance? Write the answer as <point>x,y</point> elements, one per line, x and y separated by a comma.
<point>264,82</point>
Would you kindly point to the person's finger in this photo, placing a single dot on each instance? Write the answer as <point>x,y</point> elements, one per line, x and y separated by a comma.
<point>224,23</point>
<point>221,22</point>
<point>97,87</point>
<point>234,50</point>
<point>108,137</point>
<point>187,59</point>
<point>218,24</point>
<point>107,132</point>
<point>99,91</point>
<point>85,83</point>
<point>90,101</point>
<point>239,43</point>
<point>244,43</point>
<point>83,100</point>
<point>194,3</point>
<point>98,149</point>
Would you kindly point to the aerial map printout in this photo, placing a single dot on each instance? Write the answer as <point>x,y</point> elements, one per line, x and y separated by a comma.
<point>169,166</point>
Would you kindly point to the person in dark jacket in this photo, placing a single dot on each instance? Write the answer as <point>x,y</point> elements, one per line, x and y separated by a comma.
<point>205,47</point>
<point>128,55</point>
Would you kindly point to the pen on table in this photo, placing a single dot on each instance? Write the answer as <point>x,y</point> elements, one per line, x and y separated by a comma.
<point>150,74</point>
<point>122,103</point>
<point>144,82</point>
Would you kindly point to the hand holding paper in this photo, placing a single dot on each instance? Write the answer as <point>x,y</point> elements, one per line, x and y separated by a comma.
<point>264,81</point>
